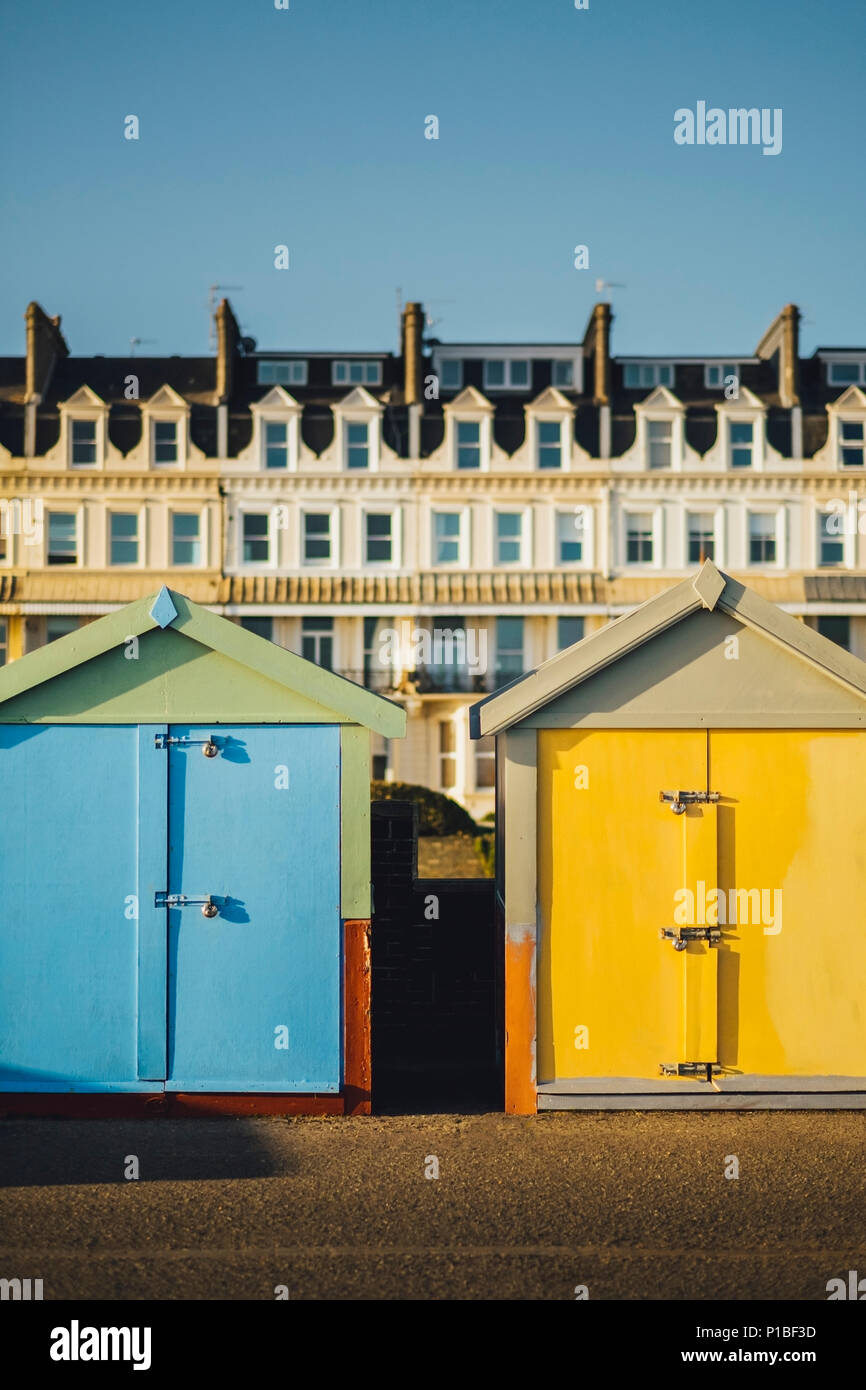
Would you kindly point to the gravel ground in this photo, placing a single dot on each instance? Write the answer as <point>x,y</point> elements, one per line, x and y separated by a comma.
<point>632,1205</point>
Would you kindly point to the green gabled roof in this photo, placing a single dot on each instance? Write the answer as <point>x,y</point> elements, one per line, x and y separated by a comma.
<point>710,590</point>
<point>319,692</point>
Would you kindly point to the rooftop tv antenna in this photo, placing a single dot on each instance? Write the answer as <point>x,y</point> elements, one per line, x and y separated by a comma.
<point>213,291</point>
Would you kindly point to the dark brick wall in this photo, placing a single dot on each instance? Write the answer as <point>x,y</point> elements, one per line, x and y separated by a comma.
<point>434,968</point>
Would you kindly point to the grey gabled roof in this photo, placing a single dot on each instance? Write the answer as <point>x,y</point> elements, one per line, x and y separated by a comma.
<point>709,589</point>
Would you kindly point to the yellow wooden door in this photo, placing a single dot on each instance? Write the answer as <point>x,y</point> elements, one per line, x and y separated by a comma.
<point>792,848</point>
<point>615,998</point>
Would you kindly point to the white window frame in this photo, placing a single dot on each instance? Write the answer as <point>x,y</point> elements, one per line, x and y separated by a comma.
<point>487,755</point>
<point>849,417</point>
<point>695,507</point>
<point>724,369</point>
<point>250,508</point>
<point>462,538</point>
<point>859,363</point>
<point>294,378</point>
<point>587,536</point>
<point>526,516</point>
<point>508,384</point>
<point>140,513</point>
<point>97,419</point>
<point>656,515</point>
<point>278,407</point>
<point>654,368</point>
<point>666,411</point>
<point>346,364</point>
<point>455,362</point>
<point>167,418</point>
<point>566,431</point>
<point>396,514</point>
<point>373,420</point>
<point>335,655</point>
<point>454,755</point>
<point>847,536</point>
<point>781,514</point>
<point>311,510</point>
<point>477,417</point>
<point>286,421</point>
<point>757,419</point>
<point>202,514</point>
<point>58,507</point>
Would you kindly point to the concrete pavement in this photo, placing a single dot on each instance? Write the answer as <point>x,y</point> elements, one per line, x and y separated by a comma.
<point>631,1205</point>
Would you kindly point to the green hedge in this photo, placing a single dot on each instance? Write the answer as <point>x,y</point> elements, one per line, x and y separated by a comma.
<point>437,814</point>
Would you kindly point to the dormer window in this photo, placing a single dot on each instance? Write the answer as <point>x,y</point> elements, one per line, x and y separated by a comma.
<point>846,373</point>
<point>83,442</point>
<point>356,373</point>
<point>741,438</point>
<point>277,373</point>
<point>504,374</point>
<point>276,432</point>
<point>165,429</point>
<point>358,445</point>
<point>549,444</point>
<point>660,442</point>
<point>716,372</point>
<point>637,375</point>
<point>468,444</point>
<point>563,374</point>
<point>451,374</point>
<point>276,444</point>
<point>852,442</point>
<point>164,441</point>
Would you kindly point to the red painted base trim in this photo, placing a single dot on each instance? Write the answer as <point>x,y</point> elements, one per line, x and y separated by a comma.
<point>117,1105</point>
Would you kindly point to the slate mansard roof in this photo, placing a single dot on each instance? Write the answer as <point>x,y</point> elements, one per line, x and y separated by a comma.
<point>197,381</point>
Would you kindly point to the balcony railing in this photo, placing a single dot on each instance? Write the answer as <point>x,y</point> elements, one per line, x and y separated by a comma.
<point>457,681</point>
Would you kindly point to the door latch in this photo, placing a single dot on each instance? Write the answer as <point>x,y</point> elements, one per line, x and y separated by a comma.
<point>699,1071</point>
<point>681,936</point>
<point>209,746</point>
<point>209,907</point>
<point>680,800</point>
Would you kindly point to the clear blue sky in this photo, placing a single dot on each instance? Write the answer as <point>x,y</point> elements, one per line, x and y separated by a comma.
<point>306,127</point>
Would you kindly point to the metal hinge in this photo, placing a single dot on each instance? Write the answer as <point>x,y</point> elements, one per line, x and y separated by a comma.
<point>701,1071</point>
<point>209,746</point>
<point>681,936</point>
<point>680,800</point>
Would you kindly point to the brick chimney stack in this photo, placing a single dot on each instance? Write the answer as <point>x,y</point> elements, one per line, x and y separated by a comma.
<point>596,345</point>
<point>228,340</point>
<point>45,344</point>
<point>782,342</point>
<point>412,348</point>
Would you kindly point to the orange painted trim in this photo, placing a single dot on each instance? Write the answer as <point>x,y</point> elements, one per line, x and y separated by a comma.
<point>520,1022</point>
<point>357,1063</point>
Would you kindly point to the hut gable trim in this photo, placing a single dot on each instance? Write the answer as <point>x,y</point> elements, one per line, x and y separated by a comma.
<point>527,694</point>
<point>350,703</point>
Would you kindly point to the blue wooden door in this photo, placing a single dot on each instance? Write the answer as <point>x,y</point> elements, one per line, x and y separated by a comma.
<point>254,992</point>
<point>82,957</point>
